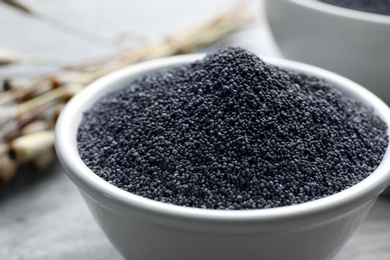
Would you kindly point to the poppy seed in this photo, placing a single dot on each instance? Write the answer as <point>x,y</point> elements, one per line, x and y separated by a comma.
<point>369,6</point>
<point>231,132</point>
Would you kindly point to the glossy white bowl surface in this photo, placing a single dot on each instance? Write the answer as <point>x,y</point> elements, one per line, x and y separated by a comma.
<point>144,229</point>
<point>352,43</point>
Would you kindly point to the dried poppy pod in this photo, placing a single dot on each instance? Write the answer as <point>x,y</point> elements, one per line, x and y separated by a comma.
<point>7,165</point>
<point>28,147</point>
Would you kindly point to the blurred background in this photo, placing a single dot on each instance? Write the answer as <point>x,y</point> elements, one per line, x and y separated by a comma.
<point>42,215</point>
<point>150,20</point>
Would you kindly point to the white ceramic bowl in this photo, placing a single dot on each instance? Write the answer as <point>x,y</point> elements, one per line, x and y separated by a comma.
<point>143,229</point>
<point>352,43</point>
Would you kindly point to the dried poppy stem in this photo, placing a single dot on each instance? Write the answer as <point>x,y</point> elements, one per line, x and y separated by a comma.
<point>25,91</point>
<point>35,126</point>
<point>40,119</point>
<point>9,113</point>
<point>13,128</point>
<point>7,165</point>
<point>28,147</point>
<point>8,57</point>
<point>60,25</point>
<point>43,161</point>
<point>185,42</point>
<point>50,115</point>
<point>6,97</point>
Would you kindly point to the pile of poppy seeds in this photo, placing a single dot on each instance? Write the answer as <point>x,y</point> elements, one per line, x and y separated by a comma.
<point>370,6</point>
<point>231,132</point>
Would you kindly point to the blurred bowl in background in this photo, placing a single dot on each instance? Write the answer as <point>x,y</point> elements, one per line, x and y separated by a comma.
<point>352,43</point>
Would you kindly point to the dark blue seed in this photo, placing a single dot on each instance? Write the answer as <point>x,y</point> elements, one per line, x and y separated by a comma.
<point>231,132</point>
<point>370,6</point>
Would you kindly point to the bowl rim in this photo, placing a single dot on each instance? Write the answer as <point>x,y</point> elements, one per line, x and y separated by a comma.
<point>344,12</point>
<point>89,183</point>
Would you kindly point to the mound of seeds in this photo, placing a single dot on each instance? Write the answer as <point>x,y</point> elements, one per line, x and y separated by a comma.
<point>231,132</point>
<point>370,6</point>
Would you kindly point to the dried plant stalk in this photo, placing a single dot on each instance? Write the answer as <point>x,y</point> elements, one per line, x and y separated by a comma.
<point>28,147</point>
<point>50,115</point>
<point>7,114</point>
<point>185,42</point>
<point>22,90</point>
<point>43,161</point>
<point>7,165</point>
<point>35,126</point>
<point>6,97</point>
<point>7,169</point>
<point>12,128</point>
<point>60,25</point>
<point>8,57</point>
<point>10,113</point>
<point>17,5</point>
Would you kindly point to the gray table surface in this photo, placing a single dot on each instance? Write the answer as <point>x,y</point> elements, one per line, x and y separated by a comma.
<point>42,216</point>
